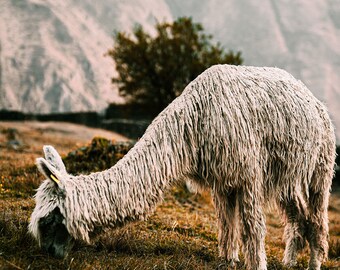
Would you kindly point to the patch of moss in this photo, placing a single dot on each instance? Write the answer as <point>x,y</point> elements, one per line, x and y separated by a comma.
<point>99,155</point>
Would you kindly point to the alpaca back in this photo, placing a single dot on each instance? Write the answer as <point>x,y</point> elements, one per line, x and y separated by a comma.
<point>241,123</point>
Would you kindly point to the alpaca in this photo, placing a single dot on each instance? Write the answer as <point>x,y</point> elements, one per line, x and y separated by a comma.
<point>249,134</point>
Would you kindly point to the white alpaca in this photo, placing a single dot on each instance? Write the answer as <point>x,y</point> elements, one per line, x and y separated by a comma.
<point>249,134</point>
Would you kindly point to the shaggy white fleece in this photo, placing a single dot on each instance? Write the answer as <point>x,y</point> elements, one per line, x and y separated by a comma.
<point>250,134</point>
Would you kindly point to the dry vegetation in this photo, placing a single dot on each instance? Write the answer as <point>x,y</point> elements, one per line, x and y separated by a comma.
<point>181,234</point>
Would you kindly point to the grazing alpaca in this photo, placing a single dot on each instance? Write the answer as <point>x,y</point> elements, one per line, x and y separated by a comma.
<point>249,134</point>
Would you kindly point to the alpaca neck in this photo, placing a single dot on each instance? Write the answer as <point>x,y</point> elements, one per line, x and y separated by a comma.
<point>142,177</point>
<point>136,183</point>
<point>131,189</point>
<point>160,157</point>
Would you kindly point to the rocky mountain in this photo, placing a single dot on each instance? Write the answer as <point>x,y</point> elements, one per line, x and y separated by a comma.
<point>52,52</point>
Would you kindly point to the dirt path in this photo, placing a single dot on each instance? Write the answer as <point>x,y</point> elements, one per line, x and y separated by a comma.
<point>32,135</point>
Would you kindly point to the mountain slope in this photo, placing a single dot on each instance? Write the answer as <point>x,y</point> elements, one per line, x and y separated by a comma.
<point>52,52</point>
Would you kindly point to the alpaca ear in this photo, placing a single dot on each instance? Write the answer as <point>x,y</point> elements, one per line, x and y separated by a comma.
<point>53,157</point>
<point>49,171</point>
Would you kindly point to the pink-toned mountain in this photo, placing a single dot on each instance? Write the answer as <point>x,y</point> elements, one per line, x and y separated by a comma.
<point>52,52</point>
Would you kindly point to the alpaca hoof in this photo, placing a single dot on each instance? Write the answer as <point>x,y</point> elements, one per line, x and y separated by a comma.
<point>314,265</point>
<point>289,264</point>
<point>233,262</point>
<point>228,264</point>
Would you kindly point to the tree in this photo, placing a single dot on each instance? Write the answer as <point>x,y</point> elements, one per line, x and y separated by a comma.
<point>153,70</point>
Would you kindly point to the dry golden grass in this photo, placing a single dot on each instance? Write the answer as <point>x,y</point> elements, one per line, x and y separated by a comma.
<point>181,234</point>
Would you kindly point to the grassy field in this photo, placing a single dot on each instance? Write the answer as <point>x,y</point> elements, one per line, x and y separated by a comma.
<point>181,234</point>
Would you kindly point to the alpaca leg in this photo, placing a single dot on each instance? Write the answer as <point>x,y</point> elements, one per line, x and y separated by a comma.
<point>294,233</point>
<point>253,230</point>
<point>227,226</point>
<point>318,229</point>
<point>319,191</point>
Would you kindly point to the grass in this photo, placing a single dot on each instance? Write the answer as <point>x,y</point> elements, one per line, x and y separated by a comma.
<point>181,234</point>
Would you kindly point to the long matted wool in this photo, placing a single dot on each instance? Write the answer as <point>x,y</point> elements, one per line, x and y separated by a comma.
<point>250,134</point>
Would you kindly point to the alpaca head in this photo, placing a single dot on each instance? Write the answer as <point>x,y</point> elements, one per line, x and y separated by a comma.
<point>48,223</point>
